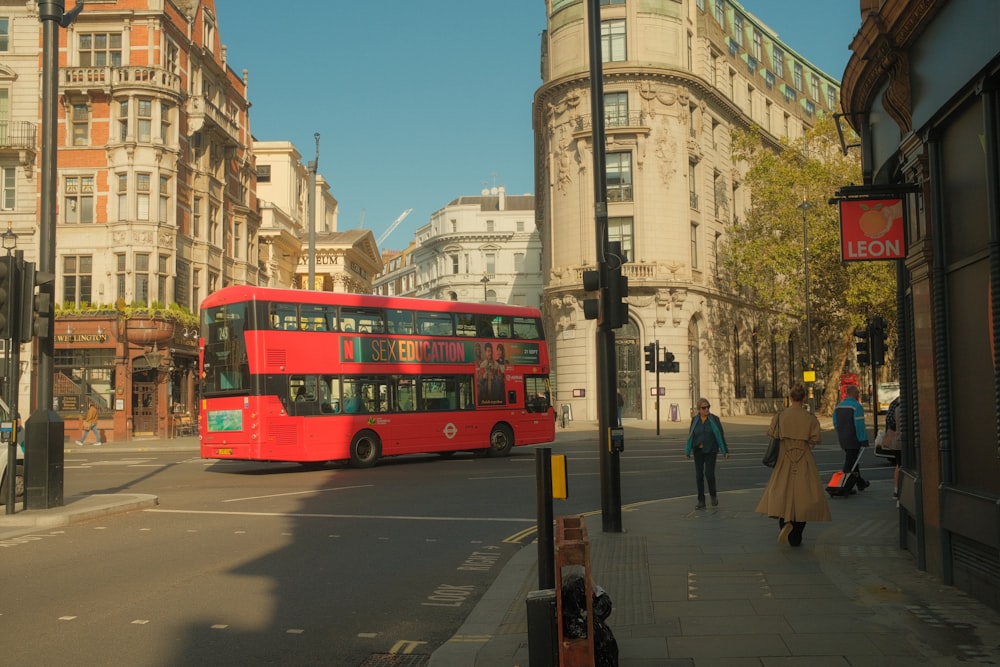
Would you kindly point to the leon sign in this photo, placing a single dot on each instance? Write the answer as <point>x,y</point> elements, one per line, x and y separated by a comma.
<point>872,229</point>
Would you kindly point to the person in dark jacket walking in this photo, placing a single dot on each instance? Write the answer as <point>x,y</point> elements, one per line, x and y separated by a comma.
<point>849,422</point>
<point>705,440</point>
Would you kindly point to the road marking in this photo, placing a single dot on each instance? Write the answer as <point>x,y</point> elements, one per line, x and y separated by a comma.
<point>298,493</point>
<point>388,517</point>
<point>404,646</point>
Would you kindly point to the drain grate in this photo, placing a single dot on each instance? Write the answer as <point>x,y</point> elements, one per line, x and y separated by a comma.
<point>396,660</point>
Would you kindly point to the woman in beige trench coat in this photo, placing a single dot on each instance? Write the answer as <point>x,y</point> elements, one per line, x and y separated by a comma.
<point>794,494</point>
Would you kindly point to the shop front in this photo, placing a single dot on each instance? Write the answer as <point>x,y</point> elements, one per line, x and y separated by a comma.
<point>140,372</point>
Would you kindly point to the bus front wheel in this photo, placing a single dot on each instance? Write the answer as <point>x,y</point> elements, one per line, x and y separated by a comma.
<point>365,450</point>
<point>501,440</point>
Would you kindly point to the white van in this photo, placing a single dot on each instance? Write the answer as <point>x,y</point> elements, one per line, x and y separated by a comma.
<point>4,448</point>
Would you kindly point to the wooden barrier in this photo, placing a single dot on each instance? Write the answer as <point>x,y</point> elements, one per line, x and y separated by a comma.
<point>572,555</point>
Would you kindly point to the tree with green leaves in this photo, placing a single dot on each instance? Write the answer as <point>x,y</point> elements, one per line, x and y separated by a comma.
<point>790,186</point>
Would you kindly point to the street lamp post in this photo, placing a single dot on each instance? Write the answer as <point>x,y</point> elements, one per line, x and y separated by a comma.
<point>485,280</point>
<point>804,207</point>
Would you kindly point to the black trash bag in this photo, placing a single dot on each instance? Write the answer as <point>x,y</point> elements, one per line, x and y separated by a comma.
<point>602,604</point>
<point>605,645</point>
<point>574,606</point>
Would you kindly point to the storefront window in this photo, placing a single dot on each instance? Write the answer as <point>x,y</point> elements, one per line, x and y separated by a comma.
<point>81,376</point>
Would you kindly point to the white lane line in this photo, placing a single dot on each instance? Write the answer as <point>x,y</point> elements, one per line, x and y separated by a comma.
<point>298,493</point>
<point>389,517</point>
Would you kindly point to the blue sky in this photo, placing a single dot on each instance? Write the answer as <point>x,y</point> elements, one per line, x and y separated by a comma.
<point>419,103</point>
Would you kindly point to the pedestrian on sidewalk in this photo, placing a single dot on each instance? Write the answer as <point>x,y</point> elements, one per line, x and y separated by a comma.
<point>794,493</point>
<point>705,440</point>
<point>849,422</point>
<point>890,441</point>
<point>90,424</point>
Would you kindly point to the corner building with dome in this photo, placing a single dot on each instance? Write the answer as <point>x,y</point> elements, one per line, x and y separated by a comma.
<point>679,77</point>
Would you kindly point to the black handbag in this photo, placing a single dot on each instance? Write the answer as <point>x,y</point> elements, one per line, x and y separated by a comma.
<point>773,449</point>
<point>771,453</point>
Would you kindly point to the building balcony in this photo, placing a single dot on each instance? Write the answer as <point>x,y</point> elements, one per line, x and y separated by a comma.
<point>106,79</point>
<point>203,114</point>
<point>18,137</point>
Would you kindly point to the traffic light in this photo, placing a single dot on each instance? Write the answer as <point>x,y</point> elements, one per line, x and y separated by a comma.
<point>863,346</point>
<point>650,350</point>
<point>617,286</point>
<point>878,340</point>
<point>668,365</point>
<point>8,296</point>
<point>41,318</point>
<point>25,303</point>
<point>592,283</point>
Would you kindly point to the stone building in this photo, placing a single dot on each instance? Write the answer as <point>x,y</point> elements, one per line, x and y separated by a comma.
<point>922,89</point>
<point>679,77</point>
<point>19,148</point>
<point>344,261</point>
<point>399,274</point>
<point>481,248</point>
<point>155,205</point>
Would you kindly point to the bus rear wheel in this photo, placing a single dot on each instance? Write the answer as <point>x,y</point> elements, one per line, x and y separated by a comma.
<point>365,450</point>
<point>501,440</point>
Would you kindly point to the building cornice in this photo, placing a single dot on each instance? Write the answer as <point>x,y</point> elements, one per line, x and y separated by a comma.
<point>880,57</point>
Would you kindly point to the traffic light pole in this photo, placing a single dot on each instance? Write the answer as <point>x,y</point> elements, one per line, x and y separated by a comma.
<point>656,363</point>
<point>607,370</point>
<point>45,428</point>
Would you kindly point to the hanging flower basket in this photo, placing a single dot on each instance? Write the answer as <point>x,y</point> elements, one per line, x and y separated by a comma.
<point>142,329</point>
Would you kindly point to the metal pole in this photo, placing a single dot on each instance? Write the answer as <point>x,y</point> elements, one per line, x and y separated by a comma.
<point>45,430</point>
<point>311,201</point>
<point>805,206</point>
<point>607,370</point>
<point>546,537</point>
<point>656,362</point>
<point>12,377</point>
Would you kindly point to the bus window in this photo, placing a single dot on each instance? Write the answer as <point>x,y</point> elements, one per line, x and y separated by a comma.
<point>302,388</point>
<point>445,393</point>
<point>362,320</point>
<point>502,326</point>
<point>333,383</point>
<point>400,322</point>
<point>527,328</point>
<point>283,316</point>
<point>484,326</point>
<point>434,324</point>
<point>536,393</point>
<point>465,325</point>
<point>318,318</point>
<point>405,393</point>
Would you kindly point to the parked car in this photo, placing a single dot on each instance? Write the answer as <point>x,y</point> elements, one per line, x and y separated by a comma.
<point>887,392</point>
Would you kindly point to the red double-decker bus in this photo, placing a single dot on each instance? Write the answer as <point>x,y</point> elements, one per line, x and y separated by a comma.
<point>292,375</point>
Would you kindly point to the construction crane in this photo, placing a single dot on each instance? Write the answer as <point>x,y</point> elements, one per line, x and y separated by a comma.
<point>393,226</point>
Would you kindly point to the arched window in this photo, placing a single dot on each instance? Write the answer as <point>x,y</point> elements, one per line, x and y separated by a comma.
<point>758,388</point>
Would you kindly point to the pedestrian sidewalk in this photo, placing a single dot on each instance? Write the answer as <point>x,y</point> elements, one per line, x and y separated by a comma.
<point>713,587</point>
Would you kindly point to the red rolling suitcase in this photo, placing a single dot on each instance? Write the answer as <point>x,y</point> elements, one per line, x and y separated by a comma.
<point>841,483</point>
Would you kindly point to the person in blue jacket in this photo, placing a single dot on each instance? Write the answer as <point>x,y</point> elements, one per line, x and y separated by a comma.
<point>849,422</point>
<point>705,440</point>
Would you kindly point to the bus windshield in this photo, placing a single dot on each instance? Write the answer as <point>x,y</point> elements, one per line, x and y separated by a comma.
<point>225,366</point>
